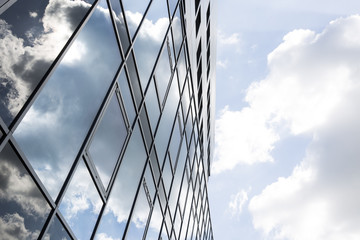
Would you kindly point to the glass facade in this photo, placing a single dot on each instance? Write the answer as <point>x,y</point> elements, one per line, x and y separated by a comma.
<point>106,119</point>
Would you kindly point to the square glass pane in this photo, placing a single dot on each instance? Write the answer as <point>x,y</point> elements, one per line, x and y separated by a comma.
<point>23,208</point>
<point>108,140</point>
<point>81,204</point>
<point>122,195</point>
<point>56,125</point>
<point>32,35</point>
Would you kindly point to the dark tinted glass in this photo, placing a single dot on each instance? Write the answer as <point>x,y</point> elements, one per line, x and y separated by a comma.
<point>108,140</point>
<point>54,128</point>
<point>32,34</point>
<point>122,195</point>
<point>23,209</point>
<point>57,231</point>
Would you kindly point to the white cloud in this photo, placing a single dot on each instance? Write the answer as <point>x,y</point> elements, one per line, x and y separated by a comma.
<point>237,202</point>
<point>233,39</point>
<point>33,14</point>
<point>242,137</point>
<point>309,74</point>
<point>222,64</point>
<point>314,81</point>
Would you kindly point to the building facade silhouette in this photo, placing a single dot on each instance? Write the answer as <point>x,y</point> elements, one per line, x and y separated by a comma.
<point>106,118</point>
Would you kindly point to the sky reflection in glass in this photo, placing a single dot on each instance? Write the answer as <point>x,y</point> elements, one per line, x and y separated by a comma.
<point>122,196</point>
<point>32,34</point>
<point>52,131</point>
<point>108,140</point>
<point>81,204</point>
<point>23,208</point>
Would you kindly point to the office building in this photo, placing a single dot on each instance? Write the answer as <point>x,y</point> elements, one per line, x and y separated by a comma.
<point>106,119</point>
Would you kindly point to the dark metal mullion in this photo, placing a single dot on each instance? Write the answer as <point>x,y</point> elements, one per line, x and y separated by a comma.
<point>37,90</point>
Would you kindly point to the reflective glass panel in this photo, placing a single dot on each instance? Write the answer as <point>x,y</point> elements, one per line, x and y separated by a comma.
<point>167,175</point>
<point>126,96</point>
<point>57,231</point>
<point>155,223</point>
<point>120,24</point>
<point>150,38</point>
<point>134,80</point>
<point>152,105</point>
<point>122,195</point>
<point>162,74</point>
<point>23,209</point>
<point>81,204</point>
<point>55,126</point>
<point>108,140</point>
<point>134,12</point>
<point>181,68</point>
<point>177,31</point>
<point>155,166</point>
<point>32,34</point>
<point>167,120</point>
<point>175,142</point>
<point>139,216</point>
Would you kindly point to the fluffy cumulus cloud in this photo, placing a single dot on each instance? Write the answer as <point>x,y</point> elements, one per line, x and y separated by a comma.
<point>309,75</point>
<point>313,88</point>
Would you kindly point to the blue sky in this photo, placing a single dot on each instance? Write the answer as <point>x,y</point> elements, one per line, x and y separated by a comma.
<point>286,160</point>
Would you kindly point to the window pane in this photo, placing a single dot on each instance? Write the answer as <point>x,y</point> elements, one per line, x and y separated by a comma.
<point>56,231</point>
<point>150,38</point>
<point>152,105</point>
<point>122,195</point>
<point>120,24</point>
<point>177,31</point>
<point>134,11</point>
<point>54,128</point>
<point>163,73</point>
<point>155,223</point>
<point>139,216</point>
<point>22,208</point>
<point>108,140</point>
<point>32,35</point>
<point>126,96</point>
<point>81,204</point>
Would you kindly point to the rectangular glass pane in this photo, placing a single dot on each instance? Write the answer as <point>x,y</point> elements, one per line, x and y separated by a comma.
<point>120,24</point>
<point>69,102</point>
<point>126,96</point>
<point>32,35</point>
